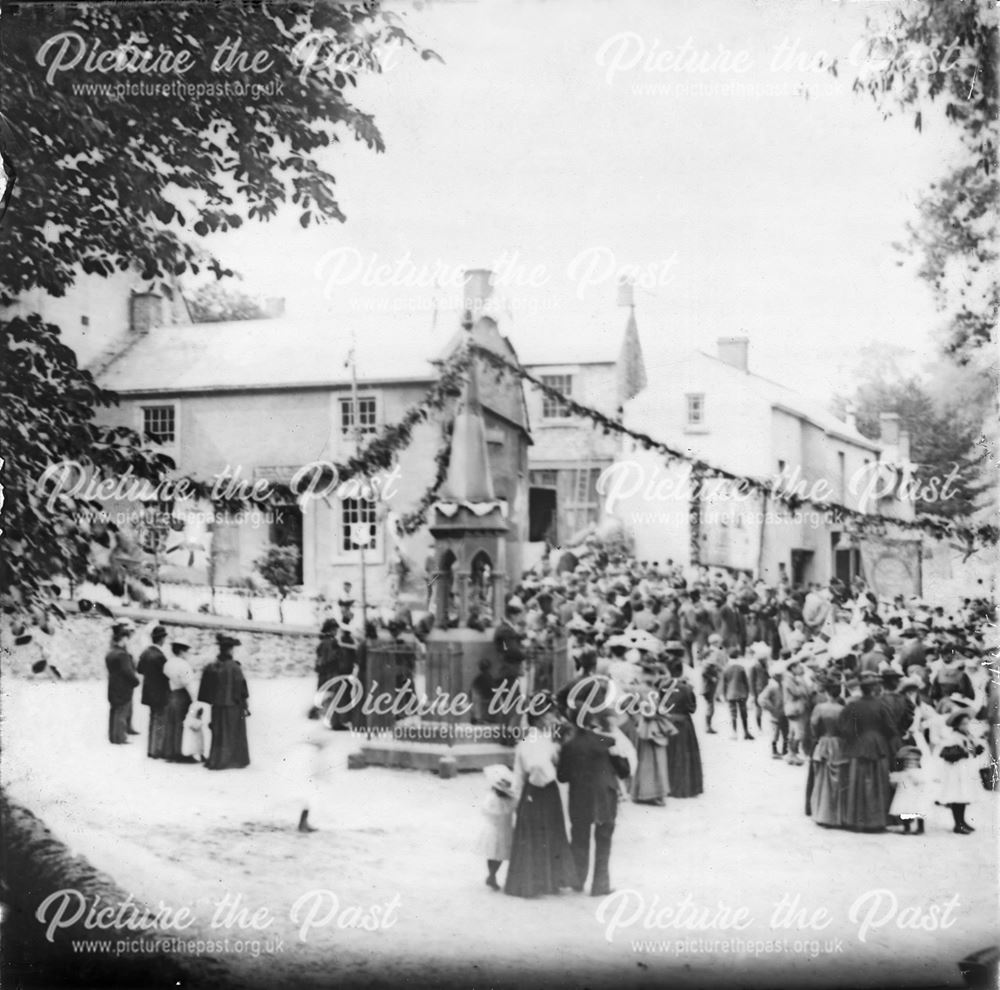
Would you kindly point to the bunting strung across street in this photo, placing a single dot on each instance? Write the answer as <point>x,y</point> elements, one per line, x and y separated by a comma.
<point>985,534</point>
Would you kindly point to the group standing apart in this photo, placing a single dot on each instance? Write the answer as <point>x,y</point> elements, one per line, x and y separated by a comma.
<point>524,812</point>
<point>189,721</point>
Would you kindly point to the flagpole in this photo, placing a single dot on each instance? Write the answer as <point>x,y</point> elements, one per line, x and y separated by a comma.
<point>357,448</point>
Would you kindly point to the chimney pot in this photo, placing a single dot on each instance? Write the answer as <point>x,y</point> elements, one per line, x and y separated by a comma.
<point>478,289</point>
<point>734,351</point>
<point>145,311</point>
<point>851,417</point>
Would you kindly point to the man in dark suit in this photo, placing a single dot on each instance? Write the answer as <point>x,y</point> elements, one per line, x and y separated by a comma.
<point>122,681</point>
<point>736,687</point>
<point>508,640</point>
<point>591,765</point>
<point>155,691</point>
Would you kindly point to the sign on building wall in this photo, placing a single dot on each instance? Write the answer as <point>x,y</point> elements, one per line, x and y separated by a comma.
<point>892,567</point>
<point>730,530</point>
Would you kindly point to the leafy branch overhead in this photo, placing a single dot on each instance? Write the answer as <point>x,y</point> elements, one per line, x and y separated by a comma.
<point>120,178</point>
<point>944,54</point>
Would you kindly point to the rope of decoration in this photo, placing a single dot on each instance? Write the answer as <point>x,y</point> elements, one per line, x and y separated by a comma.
<point>379,453</point>
<point>416,518</point>
<point>938,526</point>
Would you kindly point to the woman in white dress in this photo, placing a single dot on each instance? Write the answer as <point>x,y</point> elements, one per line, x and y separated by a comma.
<point>183,688</point>
<point>540,859</point>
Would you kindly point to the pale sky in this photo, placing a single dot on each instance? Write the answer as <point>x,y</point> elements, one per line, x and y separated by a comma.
<point>749,209</point>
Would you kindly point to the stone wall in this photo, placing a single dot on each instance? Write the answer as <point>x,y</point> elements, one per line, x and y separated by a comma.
<point>77,648</point>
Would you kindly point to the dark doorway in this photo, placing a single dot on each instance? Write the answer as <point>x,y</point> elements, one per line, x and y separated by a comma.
<point>286,530</point>
<point>802,567</point>
<point>542,515</point>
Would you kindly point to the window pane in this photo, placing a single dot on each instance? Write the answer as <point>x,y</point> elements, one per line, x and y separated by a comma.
<point>366,415</point>
<point>357,516</point>
<point>158,424</point>
<point>552,408</point>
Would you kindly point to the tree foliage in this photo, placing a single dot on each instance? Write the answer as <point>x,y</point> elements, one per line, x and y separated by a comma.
<point>944,435</point>
<point>52,525</point>
<point>214,302</point>
<point>945,54</point>
<point>122,178</point>
<point>125,161</point>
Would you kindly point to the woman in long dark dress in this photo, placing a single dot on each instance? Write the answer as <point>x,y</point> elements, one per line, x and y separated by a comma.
<point>866,728</point>
<point>678,700</point>
<point>825,787</point>
<point>225,689</point>
<point>541,861</point>
<point>180,676</point>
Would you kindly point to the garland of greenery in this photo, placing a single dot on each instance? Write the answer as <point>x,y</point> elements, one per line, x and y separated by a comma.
<point>871,523</point>
<point>379,453</point>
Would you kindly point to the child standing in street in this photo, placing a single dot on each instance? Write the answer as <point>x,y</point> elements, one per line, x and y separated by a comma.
<point>911,801</point>
<point>498,830</point>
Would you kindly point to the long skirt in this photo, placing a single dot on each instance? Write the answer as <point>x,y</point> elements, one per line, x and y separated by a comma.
<point>650,780</point>
<point>684,760</point>
<point>118,722</point>
<point>229,739</point>
<point>540,858</point>
<point>866,794</point>
<point>157,733</point>
<point>827,779</point>
<point>173,723</point>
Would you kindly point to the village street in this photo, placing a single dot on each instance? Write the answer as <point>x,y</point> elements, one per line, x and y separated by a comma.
<point>396,848</point>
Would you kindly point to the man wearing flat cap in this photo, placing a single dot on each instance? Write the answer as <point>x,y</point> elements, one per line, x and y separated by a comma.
<point>224,687</point>
<point>155,691</point>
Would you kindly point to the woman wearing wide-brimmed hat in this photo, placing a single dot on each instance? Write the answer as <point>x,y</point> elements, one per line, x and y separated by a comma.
<point>957,752</point>
<point>652,731</point>
<point>867,731</point>
<point>224,687</point>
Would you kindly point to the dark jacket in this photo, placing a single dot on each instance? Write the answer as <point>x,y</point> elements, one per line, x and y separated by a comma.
<point>155,686</point>
<point>867,729</point>
<point>223,685</point>
<point>122,678</point>
<point>735,684</point>
<point>507,640</point>
<point>592,774</point>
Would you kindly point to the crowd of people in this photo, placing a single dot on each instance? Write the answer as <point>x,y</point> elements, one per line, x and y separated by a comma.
<point>891,706</point>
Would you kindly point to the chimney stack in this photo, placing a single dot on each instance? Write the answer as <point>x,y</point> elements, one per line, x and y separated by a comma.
<point>273,307</point>
<point>145,311</point>
<point>478,289</point>
<point>888,424</point>
<point>904,446</point>
<point>734,351</point>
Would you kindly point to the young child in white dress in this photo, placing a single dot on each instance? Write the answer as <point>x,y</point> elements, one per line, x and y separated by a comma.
<point>912,800</point>
<point>498,829</point>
